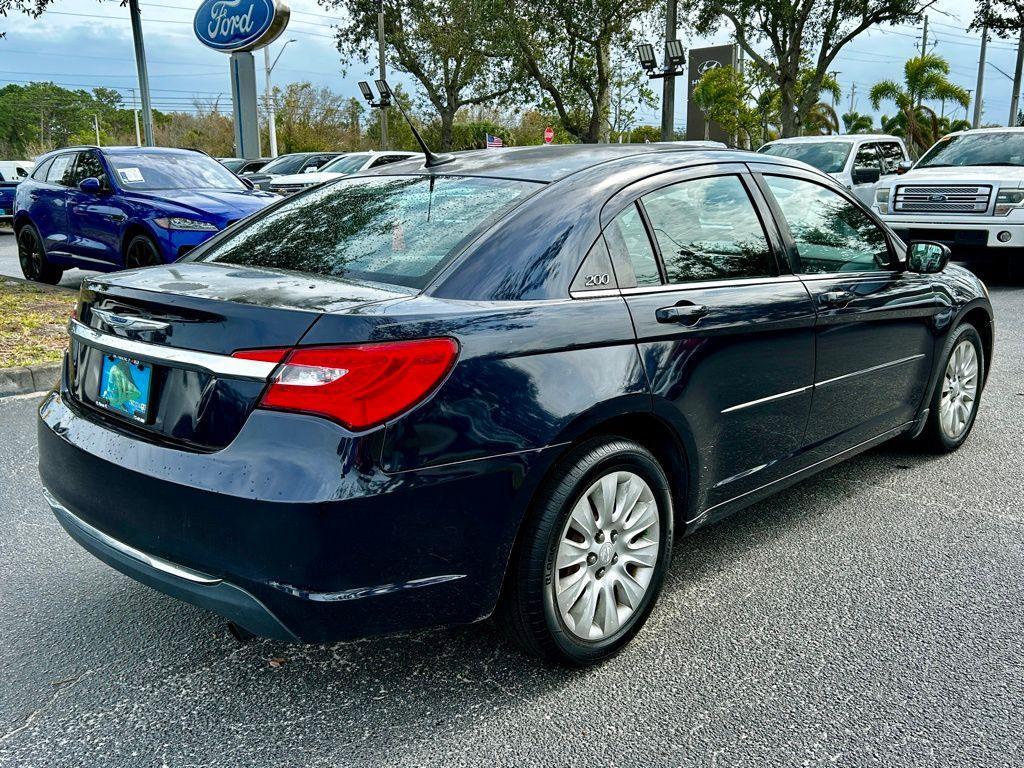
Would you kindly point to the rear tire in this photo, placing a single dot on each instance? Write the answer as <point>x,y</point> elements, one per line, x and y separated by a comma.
<point>584,577</point>
<point>954,403</point>
<point>32,257</point>
<point>141,251</point>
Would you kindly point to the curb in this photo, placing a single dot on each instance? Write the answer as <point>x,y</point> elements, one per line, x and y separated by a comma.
<point>26,379</point>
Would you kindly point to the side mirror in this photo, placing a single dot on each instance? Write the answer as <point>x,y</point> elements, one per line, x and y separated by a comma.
<point>903,167</point>
<point>247,183</point>
<point>866,175</point>
<point>311,169</point>
<point>91,185</point>
<point>927,257</point>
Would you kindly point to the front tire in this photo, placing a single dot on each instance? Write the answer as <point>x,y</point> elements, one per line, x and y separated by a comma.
<point>592,556</point>
<point>141,251</point>
<point>954,404</point>
<point>32,257</point>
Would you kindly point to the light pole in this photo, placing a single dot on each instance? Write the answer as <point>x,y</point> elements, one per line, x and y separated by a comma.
<point>675,57</point>
<point>383,76</point>
<point>140,63</point>
<point>268,95</point>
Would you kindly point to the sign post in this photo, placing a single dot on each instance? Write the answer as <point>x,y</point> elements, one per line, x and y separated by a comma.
<point>239,27</point>
<point>703,60</point>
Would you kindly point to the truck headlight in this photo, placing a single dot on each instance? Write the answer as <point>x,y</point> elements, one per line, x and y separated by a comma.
<point>187,225</point>
<point>1009,200</point>
<point>882,198</point>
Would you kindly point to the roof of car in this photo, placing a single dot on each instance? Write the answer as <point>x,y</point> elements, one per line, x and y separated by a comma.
<point>992,129</point>
<point>554,162</point>
<point>844,137</point>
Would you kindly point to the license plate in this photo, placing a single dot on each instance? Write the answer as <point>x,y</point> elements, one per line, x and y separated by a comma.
<point>125,386</point>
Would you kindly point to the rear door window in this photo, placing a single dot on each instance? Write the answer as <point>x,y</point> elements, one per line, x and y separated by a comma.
<point>627,240</point>
<point>708,229</point>
<point>390,229</point>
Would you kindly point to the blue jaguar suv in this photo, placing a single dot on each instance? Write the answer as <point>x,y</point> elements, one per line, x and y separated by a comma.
<point>496,382</point>
<point>114,207</point>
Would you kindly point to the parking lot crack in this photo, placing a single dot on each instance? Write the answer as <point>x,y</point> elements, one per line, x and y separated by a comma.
<point>62,687</point>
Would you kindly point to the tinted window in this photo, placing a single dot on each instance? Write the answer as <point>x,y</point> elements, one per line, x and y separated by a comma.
<point>892,156</point>
<point>627,239</point>
<point>171,170</point>
<point>707,229</point>
<point>391,229</point>
<point>867,158</point>
<point>89,165</point>
<point>388,159</point>
<point>827,156</point>
<point>39,174</point>
<point>60,169</point>
<point>285,164</point>
<point>831,233</point>
<point>346,164</point>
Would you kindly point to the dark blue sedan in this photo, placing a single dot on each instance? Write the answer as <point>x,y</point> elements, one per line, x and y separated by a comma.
<point>114,207</point>
<point>505,383</point>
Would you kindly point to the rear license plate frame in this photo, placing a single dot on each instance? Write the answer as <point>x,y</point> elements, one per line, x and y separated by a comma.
<point>129,399</point>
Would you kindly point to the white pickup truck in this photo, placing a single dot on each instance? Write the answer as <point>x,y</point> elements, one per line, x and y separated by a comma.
<point>967,192</point>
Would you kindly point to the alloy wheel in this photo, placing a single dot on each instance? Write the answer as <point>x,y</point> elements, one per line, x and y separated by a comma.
<point>959,390</point>
<point>606,556</point>
<point>30,254</point>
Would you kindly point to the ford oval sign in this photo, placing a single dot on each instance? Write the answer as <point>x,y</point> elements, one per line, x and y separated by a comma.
<point>240,25</point>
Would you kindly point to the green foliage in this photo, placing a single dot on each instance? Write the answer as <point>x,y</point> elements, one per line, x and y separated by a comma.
<point>925,78</point>
<point>724,96</point>
<point>854,122</point>
<point>795,42</point>
<point>1004,18</point>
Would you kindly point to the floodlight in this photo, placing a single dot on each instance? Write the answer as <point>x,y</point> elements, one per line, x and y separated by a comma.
<point>383,87</point>
<point>646,53</point>
<point>366,91</point>
<point>675,54</point>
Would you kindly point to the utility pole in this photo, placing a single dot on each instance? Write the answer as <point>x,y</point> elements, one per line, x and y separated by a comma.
<point>1015,97</point>
<point>96,125</point>
<point>140,62</point>
<point>135,109</point>
<point>924,36</point>
<point>268,95</point>
<point>668,86</point>
<point>383,76</point>
<point>979,90</point>
<point>853,96</point>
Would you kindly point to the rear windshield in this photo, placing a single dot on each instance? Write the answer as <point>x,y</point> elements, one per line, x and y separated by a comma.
<point>393,229</point>
<point>827,156</point>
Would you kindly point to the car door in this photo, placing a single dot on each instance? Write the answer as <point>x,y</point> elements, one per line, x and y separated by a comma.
<point>96,218</point>
<point>726,339</point>
<point>48,203</point>
<point>873,336</point>
<point>866,171</point>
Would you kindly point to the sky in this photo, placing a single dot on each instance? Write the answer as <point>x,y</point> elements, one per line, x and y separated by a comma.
<point>86,43</point>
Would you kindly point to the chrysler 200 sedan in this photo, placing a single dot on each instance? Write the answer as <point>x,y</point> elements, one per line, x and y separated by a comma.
<point>501,384</point>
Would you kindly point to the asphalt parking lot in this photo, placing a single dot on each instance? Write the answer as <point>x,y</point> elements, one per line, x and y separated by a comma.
<point>872,616</point>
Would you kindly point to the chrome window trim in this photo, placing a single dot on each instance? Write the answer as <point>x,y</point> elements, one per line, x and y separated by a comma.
<point>698,284</point>
<point>865,274</point>
<point>68,517</point>
<point>207,362</point>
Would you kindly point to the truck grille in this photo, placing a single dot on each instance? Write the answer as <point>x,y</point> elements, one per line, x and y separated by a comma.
<point>942,199</point>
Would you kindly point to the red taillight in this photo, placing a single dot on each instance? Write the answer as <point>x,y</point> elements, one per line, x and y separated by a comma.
<point>358,386</point>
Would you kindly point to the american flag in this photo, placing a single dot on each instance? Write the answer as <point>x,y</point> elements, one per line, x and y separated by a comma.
<point>494,142</point>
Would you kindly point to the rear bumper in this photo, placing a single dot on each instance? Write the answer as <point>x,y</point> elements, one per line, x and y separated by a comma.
<point>282,531</point>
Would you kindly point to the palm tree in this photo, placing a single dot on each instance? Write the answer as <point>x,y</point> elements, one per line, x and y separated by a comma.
<point>924,78</point>
<point>854,122</point>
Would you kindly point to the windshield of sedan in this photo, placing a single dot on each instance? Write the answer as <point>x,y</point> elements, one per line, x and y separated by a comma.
<point>394,229</point>
<point>346,163</point>
<point>827,156</point>
<point>988,148</point>
<point>171,170</point>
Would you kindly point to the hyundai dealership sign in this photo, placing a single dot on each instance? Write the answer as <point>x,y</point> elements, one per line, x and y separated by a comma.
<point>240,25</point>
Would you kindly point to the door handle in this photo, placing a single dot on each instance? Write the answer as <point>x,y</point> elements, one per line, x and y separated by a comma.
<point>683,313</point>
<point>835,298</point>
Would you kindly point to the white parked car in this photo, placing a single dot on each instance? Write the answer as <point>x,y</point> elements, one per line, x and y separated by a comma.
<point>11,174</point>
<point>347,164</point>
<point>967,192</point>
<point>858,161</point>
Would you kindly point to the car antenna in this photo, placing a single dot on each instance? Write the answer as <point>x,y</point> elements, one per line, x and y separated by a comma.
<point>432,160</point>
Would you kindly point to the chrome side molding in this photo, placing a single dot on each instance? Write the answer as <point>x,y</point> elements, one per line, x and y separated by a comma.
<point>207,362</point>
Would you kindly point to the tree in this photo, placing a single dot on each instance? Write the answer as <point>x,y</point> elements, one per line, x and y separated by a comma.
<point>437,42</point>
<point>311,119</point>
<point>723,96</point>
<point>854,122</point>
<point>566,48</point>
<point>798,34</point>
<point>924,78</point>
